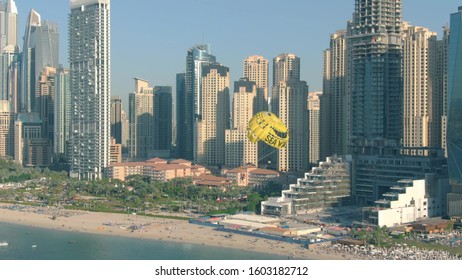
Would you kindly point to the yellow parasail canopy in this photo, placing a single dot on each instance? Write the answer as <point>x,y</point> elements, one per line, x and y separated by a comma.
<point>267,127</point>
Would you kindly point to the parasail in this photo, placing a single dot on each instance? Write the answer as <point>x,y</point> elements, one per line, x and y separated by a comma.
<point>267,127</point>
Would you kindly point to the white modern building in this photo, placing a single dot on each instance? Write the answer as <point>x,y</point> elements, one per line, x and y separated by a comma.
<point>90,76</point>
<point>62,108</point>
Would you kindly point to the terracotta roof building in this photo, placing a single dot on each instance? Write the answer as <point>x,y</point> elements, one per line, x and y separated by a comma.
<point>250,175</point>
<point>156,168</point>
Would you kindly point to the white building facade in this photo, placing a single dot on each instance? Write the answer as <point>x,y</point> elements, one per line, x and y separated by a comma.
<point>90,79</point>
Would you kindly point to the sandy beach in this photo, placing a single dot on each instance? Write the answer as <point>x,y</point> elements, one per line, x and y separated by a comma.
<point>151,228</point>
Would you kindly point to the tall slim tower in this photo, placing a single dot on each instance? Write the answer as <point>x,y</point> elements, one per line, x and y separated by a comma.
<point>6,130</point>
<point>374,46</point>
<point>454,127</point>
<point>40,49</point>
<point>45,99</point>
<point>285,67</point>
<point>9,48</point>
<point>197,57</point>
<point>214,118</point>
<point>289,103</point>
<point>90,75</point>
<point>441,86</point>
<point>141,120</point>
<point>256,70</point>
<point>239,149</point>
<point>420,99</point>
<point>314,114</point>
<point>11,23</point>
<point>163,118</point>
<point>335,113</point>
<point>27,100</point>
<point>116,119</point>
<point>62,111</point>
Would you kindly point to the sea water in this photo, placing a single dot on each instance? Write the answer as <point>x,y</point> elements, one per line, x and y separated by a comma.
<point>30,243</point>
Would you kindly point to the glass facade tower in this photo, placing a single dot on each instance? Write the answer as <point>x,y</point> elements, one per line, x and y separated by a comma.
<point>191,99</point>
<point>454,122</point>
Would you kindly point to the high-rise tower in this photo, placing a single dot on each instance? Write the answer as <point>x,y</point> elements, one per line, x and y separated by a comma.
<point>141,120</point>
<point>163,118</point>
<point>335,113</point>
<point>62,111</point>
<point>40,49</point>
<point>314,110</point>
<point>454,126</point>
<point>289,102</point>
<point>239,149</point>
<point>116,119</point>
<point>210,129</point>
<point>420,95</point>
<point>256,70</point>
<point>90,76</point>
<point>9,49</point>
<point>374,47</point>
<point>11,23</point>
<point>191,99</point>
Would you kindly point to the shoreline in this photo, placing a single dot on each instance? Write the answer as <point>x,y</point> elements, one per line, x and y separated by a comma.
<point>154,228</point>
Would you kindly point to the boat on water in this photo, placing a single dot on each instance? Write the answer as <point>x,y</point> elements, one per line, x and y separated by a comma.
<point>4,244</point>
<point>34,246</point>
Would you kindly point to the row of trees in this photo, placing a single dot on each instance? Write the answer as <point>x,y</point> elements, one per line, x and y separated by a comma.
<point>137,192</point>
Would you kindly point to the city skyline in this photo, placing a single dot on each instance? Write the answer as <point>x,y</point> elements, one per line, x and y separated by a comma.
<point>162,53</point>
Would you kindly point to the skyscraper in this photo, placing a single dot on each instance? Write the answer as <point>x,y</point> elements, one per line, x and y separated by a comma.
<point>141,120</point>
<point>116,121</point>
<point>209,148</point>
<point>441,86</point>
<point>239,149</point>
<point>9,48</point>
<point>197,57</point>
<point>289,103</point>
<point>40,49</point>
<point>335,113</point>
<point>163,118</point>
<point>374,46</point>
<point>256,70</point>
<point>90,76</point>
<point>62,111</point>
<point>6,130</point>
<point>285,67</point>
<point>420,95</point>
<point>292,110</point>
<point>180,113</point>
<point>125,129</point>
<point>27,88</point>
<point>314,110</point>
<point>454,126</point>
<point>44,101</point>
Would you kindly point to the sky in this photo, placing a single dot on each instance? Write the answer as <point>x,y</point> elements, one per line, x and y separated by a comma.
<point>150,38</point>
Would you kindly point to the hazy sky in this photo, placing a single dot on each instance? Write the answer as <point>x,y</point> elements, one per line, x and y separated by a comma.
<point>150,38</point>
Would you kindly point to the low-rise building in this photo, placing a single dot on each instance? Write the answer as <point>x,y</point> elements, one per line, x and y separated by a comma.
<point>156,168</point>
<point>208,180</point>
<point>409,201</point>
<point>250,175</point>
